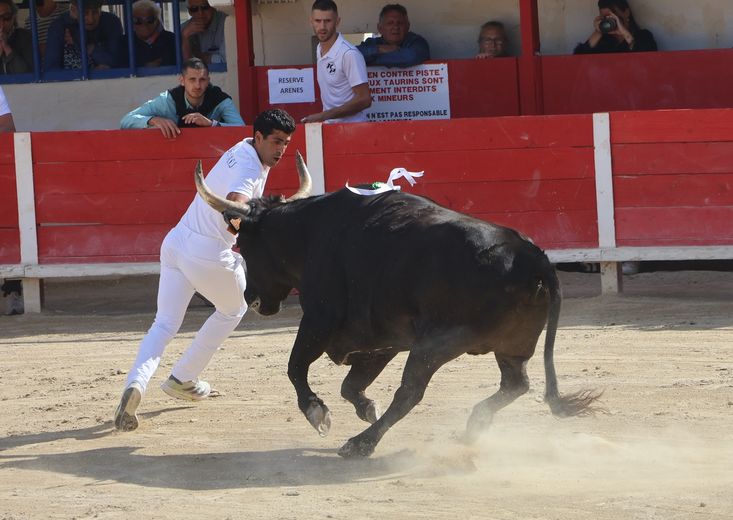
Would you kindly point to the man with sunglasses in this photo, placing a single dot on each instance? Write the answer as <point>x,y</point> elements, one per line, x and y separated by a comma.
<point>16,47</point>
<point>203,33</point>
<point>154,46</point>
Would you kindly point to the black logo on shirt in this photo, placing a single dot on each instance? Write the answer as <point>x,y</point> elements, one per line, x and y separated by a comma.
<point>331,67</point>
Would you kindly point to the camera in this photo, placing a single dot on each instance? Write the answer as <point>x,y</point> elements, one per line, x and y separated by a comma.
<point>607,24</point>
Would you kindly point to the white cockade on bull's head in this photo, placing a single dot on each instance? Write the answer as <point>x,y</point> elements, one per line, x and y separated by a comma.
<point>380,187</point>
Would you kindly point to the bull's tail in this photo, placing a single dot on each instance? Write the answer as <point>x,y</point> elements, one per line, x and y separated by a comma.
<point>578,403</point>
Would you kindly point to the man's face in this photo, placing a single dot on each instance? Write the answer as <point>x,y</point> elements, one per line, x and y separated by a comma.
<point>324,24</point>
<point>194,83</point>
<point>144,23</point>
<point>91,16</point>
<point>271,148</point>
<point>7,19</point>
<point>393,27</point>
<point>201,11</point>
<point>492,41</point>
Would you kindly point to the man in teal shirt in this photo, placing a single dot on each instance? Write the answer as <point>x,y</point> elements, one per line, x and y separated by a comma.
<point>195,102</point>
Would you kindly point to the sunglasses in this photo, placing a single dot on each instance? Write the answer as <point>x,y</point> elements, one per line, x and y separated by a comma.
<point>6,17</point>
<point>148,20</point>
<point>197,8</point>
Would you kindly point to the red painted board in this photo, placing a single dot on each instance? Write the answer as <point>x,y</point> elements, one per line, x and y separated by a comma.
<point>493,197</point>
<point>7,148</point>
<point>637,81</point>
<point>695,190</point>
<point>9,246</point>
<point>462,134</point>
<point>113,208</point>
<point>84,146</point>
<point>682,226</point>
<point>672,158</point>
<point>552,229</point>
<point>483,88</point>
<point>88,243</point>
<point>463,166</point>
<point>8,196</point>
<point>140,175</point>
<point>673,126</point>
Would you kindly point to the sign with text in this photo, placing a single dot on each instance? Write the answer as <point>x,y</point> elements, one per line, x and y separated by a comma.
<point>291,86</point>
<point>419,92</point>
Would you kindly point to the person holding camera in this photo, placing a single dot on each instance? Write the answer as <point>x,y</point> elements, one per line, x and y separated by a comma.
<point>615,30</point>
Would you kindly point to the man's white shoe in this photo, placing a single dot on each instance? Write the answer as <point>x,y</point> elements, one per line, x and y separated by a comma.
<point>187,390</point>
<point>125,416</point>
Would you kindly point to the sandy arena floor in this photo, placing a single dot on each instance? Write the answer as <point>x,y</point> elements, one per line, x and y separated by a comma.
<point>662,352</point>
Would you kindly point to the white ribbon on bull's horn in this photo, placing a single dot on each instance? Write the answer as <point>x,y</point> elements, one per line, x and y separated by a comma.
<point>380,187</point>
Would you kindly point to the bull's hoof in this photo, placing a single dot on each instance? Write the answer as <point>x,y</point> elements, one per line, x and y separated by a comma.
<point>319,416</point>
<point>369,412</point>
<point>356,449</point>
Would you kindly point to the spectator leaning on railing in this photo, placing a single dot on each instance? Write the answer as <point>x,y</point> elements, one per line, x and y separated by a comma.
<point>16,44</point>
<point>154,46</point>
<point>103,35</point>
<point>203,33</point>
<point>195,102</point>
<point>395,46</point>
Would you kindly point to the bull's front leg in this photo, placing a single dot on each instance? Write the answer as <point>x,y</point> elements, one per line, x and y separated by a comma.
<point>309,346</point>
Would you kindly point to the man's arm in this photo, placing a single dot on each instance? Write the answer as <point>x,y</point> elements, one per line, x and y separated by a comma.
<point>6,123</point>
<point>232,221</point>
<point>159,113</point>
<point>362,100</point>
<point>227,114</point>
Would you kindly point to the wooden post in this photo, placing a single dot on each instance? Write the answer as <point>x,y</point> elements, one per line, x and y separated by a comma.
<point>530,62</point>
<point>246,61</point>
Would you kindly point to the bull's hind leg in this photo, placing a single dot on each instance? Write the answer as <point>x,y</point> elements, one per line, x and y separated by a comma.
<point>514,382</point>
<point>421,364</point>
<point>365,367</point>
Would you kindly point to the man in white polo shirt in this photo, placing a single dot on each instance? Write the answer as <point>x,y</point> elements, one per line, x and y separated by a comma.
<point>6,116</point>
<point>342,74</point>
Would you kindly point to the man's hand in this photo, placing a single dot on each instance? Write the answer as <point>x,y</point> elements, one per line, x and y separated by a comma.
<point>387,47</point>
<point>193,27</point>
<point>167,127</point>
<point>197,119</point>
<point>233,221</point>
<point>313,118</point>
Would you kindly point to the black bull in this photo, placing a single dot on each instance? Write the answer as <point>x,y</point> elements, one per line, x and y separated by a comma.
<point>382,274</point>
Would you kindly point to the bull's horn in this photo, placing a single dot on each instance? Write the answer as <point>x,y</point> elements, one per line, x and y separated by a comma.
<point>305,179</point>
<point>213,200</point>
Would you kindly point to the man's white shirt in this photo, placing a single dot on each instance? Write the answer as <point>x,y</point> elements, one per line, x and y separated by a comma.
<point>239,170</point>
<point>342,68</point>
<point>4,107</point>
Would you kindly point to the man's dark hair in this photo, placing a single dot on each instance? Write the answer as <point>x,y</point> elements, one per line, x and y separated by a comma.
<point>194,63</point>
<point>392,7</point>
<point>325,5</point>
<point>274,119</point>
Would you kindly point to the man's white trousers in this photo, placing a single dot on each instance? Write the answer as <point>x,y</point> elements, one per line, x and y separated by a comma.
<point>190,262</point>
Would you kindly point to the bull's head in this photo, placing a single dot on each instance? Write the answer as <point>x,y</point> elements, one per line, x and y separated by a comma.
<point>265,291</point>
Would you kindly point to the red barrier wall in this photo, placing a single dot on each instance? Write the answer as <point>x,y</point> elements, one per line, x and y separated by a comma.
<point>637,81</point>
<point>535,174</point>
<point>673,177</point>
<point>112,196</point>
<point>9,235</point>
